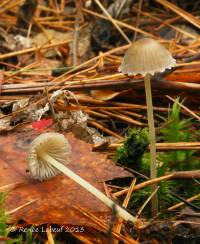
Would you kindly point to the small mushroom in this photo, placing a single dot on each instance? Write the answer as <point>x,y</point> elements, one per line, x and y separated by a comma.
<point>46,157</point>
<point>147,56</point>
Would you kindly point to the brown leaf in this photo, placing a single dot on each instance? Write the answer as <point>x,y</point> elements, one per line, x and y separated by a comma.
<point>104,95</point>
<point>57,196</point>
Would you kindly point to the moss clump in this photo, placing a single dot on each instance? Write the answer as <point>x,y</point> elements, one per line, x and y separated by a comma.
<point>178,129</point>
<point>135,144</point>
<point>132,154</point>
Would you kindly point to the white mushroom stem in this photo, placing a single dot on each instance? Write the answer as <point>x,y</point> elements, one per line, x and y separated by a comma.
<point>152,139</point>
<point>102,197</point>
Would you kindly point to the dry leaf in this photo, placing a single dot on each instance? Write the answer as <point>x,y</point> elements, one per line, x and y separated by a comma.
<point>57,196</point>
<point>104,95</point>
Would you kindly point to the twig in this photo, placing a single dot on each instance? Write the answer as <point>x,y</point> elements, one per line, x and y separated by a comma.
<point>120,23</point>
<point>61,82</point>
<point>185,108</point>
<point>194,207</point>
<point>164,146</point>
<point>112,20</point>
<point>20,207</point>
<point>76,32</point>
<point>104,226</point>
<point>182,203</point>
<point>49,235</point>
<point>32,49</point>
<point>176,175</point>
<point>138,18</point>
<point>192,174</point>
<point>167,24</point>
<point>124,118</point>
<point>101,127</point>
<point>118,227</point>
<point>187,16</point>
<point>146,202</point>
<point>144,184</point>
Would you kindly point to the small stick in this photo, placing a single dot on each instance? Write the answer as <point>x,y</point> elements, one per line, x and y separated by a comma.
<point>166,23</point>
<point>101,127</point>
<point>165,146</point>
<point>49,235</point>
<point>146,202</point>
<point>187,174</point>
<point>118,227</point>
<point>76,32</point>
<point>185,108</point>
<point>178,205</point>
<point>96,58</point>
<point>11,186</point>
<point>104,226</point>
<point>141,116</point>
<point>119,23</point>
<point>176,175</point>
<point>138,18</point>
<point>194,207</point>
<point>185,15</point>
<point>20,207</point>
<point>124,118</point>
<point>97,114</point>
<point>112,20</point>
<point>144,184</point>
<point>32,49</point>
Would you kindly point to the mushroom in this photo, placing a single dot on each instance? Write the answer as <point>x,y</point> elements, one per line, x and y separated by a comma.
<point>147,56</point>
<point>46,157</point>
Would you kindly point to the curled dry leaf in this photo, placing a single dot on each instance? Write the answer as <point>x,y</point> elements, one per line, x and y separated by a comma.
<point>57,196</point>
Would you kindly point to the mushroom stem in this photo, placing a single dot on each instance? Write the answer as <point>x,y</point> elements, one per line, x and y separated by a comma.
<point>152,140</point>
<point>102,197</point>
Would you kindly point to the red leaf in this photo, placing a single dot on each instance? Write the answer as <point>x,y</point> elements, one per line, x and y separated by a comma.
<point>42,124</point>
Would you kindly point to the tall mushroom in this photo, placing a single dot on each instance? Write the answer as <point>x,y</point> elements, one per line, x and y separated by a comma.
<point>147,56</point>
<point>46,157</point>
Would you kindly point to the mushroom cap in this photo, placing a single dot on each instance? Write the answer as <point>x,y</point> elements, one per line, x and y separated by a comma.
<point>146,56</point>
<point>53,144</point>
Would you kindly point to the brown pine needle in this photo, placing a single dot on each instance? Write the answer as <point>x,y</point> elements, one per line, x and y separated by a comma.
<point>146,202</point>
<point>104,226</point>
<point>104,129</point>
<point>144,184</point>
<point>20,207</point>
<point>184,14</point>
<point>112,20</point>
<point>185,108</point>
<point>32,49</point>
<point>118,227</point>
<point>120,23</point>
<point>178,205</point>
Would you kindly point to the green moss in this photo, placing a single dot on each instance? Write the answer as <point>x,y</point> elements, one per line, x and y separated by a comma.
<point>3,217</point>
<point>131,153</point>
<point>5,229</point>
<point>178,130</point>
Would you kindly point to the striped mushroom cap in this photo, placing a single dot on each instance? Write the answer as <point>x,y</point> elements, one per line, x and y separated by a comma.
<point>146,56</point>
<point>53,144</point>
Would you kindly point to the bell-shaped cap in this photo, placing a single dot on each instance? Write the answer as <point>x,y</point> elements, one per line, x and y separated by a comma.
<point>53,144</point>
<point>146,56</point>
